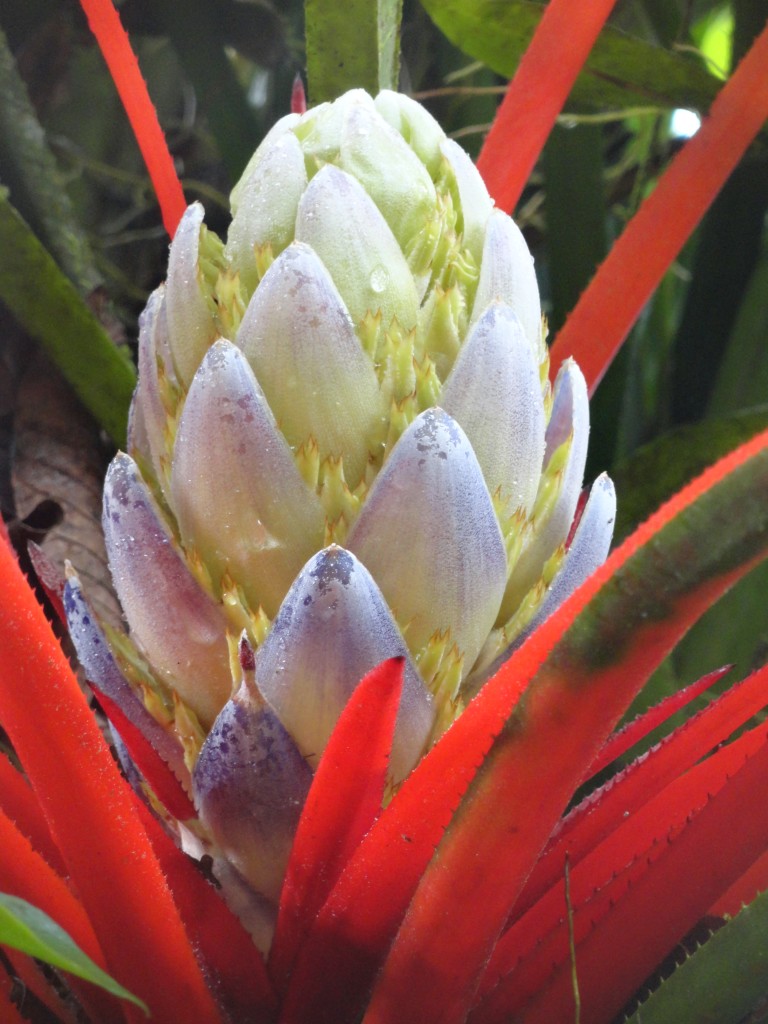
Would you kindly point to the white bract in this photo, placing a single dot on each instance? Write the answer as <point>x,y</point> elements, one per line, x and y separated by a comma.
<point>343,448</point>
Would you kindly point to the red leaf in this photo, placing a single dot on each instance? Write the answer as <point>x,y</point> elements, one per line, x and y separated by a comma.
<point>24,873</point>
<point>124,68</point>
<point>91,812</point>
<point>537,943</point>
<point>298,95</point>
<point>693,868</point>
<point>234,968</point>
<point>20,804</point>
<point>24,979</point>
<point>161,779</point>
<point>625,281</point>
<point>743,890</point>
<point>642,726</point>
<point>601,812</point>
<point>545,749</point>
<point>341,806</point>
<point>10,1014</point>
<point>556,54</point>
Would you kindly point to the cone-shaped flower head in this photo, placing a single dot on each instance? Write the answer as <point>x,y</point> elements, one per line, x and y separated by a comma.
<point>343,447</point>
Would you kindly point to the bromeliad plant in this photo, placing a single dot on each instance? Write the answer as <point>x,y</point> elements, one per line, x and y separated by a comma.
<point>373,648</point>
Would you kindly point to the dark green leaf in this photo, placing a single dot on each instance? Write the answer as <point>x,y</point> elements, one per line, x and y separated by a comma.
<point>49,308</point>
<point>730,632</point>
<point>742,380</point>
<point>621,72</point>
<point>28,168</point>
<point>728,250</point>
<point>661,468</point>
<point>575,209</point>
<point>29,930</point>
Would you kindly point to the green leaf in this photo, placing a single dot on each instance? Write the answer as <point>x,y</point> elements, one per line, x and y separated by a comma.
<point>659,469</point>
<point>731,631</point>
<point>742,379</point>
<point>352,45</point>
<point>47,305</point>
<point>722,982</point>
<point>621,72</point>
<point>28,168</point>
<point>29,930</point>
<point>575,209</point>
<point>728,250</point>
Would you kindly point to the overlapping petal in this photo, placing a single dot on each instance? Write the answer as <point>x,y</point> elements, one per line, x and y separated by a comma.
<point>191,328</point>
<point>267,205</point>
<point>239,499</point>
<point>493,392</point>
<point>333,627</point>
<point>340,221</point>
<point>189,650</point>
<point>474,202</point>
<point>559,489</point>
<point>369,144</point>
<point>102,670</point>
<point>299,338</point>
<point>155,374</point>
<point>250,783</point>
<point>445,570</point>
<point>419,129</point>
<point>507,275</point>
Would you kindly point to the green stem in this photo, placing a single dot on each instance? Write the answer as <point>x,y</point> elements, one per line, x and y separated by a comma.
<point>352,45</point>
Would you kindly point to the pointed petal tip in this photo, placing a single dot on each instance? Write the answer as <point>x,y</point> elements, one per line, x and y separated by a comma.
<point>456,560</point>
<point>333,627</point>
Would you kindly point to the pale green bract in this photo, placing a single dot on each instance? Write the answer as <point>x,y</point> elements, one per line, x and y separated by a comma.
<point>343,447</point>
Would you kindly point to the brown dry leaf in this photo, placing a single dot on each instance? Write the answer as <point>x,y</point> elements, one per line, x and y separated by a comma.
<point>57,473</point>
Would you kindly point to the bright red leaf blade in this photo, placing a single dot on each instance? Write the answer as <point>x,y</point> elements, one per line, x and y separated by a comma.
<point>639,798</point>
<point>605,313</point>
<point>536,95</point>
<point>89,807</point>
<point>367,905</point>
<point>601,812</point>
<point>635,731</point>
<point>341,806</point>
<point>24,873</point>
<point>19,802</point>
<point>115,46</point>
<point>692,869</point>
<point>578,695</point>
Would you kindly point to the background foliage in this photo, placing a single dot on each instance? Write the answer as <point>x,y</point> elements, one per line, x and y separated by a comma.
<point>74,273</point>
